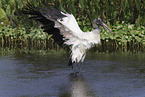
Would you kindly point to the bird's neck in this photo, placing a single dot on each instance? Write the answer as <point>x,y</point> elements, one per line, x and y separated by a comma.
<point>96,36</point>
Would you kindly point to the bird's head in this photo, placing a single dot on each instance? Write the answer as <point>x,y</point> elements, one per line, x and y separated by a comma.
<point>98,22</point>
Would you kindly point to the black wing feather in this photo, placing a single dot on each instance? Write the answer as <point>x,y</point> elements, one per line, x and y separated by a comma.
<point>50,13</point>
<point>44,16</point>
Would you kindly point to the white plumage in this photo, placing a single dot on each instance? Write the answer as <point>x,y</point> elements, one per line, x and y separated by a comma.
<point>66,31</point>
<point>78,40</point>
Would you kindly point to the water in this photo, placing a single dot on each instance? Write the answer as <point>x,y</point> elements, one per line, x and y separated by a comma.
<point>47,75</point>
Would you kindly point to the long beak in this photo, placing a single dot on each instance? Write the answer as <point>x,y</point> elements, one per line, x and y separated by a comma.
<point>106,27</point>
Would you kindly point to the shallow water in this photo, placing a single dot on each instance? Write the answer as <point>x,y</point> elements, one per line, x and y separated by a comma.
<point>103,75</point>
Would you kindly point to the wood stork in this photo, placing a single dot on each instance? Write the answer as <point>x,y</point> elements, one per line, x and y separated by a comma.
<point>66,31</point>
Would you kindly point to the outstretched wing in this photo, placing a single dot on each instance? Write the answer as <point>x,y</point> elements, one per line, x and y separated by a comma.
<point>63,27</point>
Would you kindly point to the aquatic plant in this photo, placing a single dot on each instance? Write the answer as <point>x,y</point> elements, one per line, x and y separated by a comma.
<point>126,37</point>
<point>126,19</point>
<point>19,37</point>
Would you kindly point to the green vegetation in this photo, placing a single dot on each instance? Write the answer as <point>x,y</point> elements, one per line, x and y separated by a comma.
<point>126,18</point>
<point>17,37</point>
<point>129,11</point>
<point>126,37</point>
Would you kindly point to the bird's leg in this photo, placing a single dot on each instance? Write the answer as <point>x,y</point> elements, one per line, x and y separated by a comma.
<point>76,67</point>
<point>80,67</point>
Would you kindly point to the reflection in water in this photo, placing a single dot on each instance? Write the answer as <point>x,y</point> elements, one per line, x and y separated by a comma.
<point>104,75</point>
<point>77,87</point>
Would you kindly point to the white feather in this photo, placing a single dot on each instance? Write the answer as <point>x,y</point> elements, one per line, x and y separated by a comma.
<point>78,40</point>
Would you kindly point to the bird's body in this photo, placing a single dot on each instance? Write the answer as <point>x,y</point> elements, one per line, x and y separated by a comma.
<point>79,41</point>
<point>66,31</point>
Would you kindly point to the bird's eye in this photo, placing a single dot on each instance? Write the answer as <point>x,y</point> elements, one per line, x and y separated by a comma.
<point>97,22</point>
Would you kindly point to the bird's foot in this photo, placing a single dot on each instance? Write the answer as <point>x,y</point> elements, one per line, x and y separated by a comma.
<point>77,68</point>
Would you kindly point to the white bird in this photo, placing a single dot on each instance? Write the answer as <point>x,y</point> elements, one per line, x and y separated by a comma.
<point>66,31</point>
